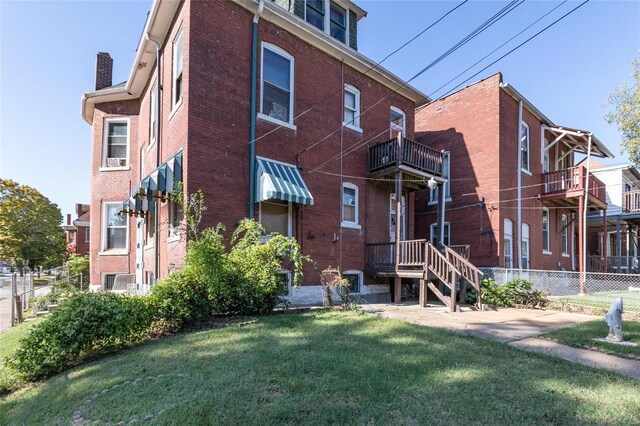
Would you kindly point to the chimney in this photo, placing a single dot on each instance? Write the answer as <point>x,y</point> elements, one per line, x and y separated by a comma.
<point>68,218</point>
<point>104,70</point>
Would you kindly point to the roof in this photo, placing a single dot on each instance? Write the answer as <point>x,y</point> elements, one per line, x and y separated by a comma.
<point>160,20</point>
<point>622,167</point>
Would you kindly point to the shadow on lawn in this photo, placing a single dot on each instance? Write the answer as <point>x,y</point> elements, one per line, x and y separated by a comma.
<point>327,367</point>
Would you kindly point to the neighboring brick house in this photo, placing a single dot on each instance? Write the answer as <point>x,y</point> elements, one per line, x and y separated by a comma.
<point>320,109</point>
<point>78,233</point>
<point>479,128</point>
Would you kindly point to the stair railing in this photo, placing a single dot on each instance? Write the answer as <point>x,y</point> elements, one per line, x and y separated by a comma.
<point>468,271</point>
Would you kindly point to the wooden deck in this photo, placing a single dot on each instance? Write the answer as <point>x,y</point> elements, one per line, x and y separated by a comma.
<point>565,186</point>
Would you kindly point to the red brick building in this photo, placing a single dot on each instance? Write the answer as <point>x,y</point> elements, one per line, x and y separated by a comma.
<point>493,201</point>
<point>78,233</point>
<point>321,116</point>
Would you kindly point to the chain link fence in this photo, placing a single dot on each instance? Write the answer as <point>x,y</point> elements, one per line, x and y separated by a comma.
<point>600,289</point>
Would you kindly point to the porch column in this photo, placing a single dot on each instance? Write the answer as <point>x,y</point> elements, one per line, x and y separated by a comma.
<point>397,294</point>
<point>397,290</point>
<point>423,293</point>
<point>618,254</point>
<point>605,237</point>
<point>580,243</point>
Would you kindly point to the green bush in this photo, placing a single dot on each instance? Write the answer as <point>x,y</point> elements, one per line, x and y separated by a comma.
<point>87,324</point>
<point>517,292</point>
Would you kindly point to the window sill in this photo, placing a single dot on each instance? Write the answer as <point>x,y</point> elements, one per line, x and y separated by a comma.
<point>115,169</point>
<point>174,238</point>
<point>433,203</point>
<point>351,225</point>
<point>352,127</point>
<point>566,255</point>
<point>526,172</point>
<point>175,109</point>
<point>147,247</point>
<point>548,253</point>
<point>118,252</point>
<point>151,144</point>
<point>264,117</point>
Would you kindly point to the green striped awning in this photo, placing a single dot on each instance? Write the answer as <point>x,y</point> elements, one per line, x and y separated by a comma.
<point>281,181</point>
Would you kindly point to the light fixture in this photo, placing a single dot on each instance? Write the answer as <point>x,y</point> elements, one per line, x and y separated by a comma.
<point>432,184</point>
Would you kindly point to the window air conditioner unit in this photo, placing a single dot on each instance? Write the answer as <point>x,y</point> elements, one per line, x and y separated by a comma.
<point>116,162</point>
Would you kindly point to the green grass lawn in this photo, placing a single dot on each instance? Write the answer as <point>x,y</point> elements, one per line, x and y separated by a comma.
<point>582,335</point>
<point>603,300</point>
<point>323,367</point>
<point>8,343</point>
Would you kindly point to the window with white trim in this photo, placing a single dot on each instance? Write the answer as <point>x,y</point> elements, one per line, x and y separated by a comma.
<point>276,217</point>
<point>398,120</point>
<point>114,227</point>
<point>508,244</point>
<point>546,223</point>
<point>150,224</point>
<point>87,235</point>
<point>329,17</point>
<point>355,280</point>
<point>116,142</point>
<point>338,22</point>
<point>351,107</point>
<point>107,281</point>
<point>178,63</point>
<point>276,84</point>
<point>176,214</point>
<point>349,205</point>
<point>72,237</point>
<point>434,233</point>
<point>314,13</point>
<point>524,147</point>
<point>564,240</point>
<point>524,262</point>
<point>446,173</point>
<point>153,113</point>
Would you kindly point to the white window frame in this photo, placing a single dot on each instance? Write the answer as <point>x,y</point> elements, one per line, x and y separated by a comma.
<point>508,242</point>
<point>355,124</point>
<point>178,42</point>
<point>105,142</point>
<point>527,138</point>
<point>87,234</point>
<point>72,237</point>
<point>324,16</point>
<point>103,231</point>
<point>103,278</point>
<point>288,274</point>
<point>289,215</point>
<point>173,231</point>
<point>546,242</point>
<point>153,113</point>
<point>446,173</point>
<point>327,20</point>
<point>526,247</point>
<point>394,128</point>
<point>447,233</point>
<point>143,157</point>
<point>281,52</point>
<point>564,235</point>
<point>360,279</point>
<point>347,223</point>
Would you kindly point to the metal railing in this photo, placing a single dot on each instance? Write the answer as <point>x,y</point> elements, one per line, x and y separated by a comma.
<point>573,179</point>
<point>415,155</point>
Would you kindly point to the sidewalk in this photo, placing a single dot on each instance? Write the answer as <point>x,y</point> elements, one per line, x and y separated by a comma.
<point>516,327</point>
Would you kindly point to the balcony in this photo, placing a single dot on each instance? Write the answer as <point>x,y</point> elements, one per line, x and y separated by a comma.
<point>631,202</point>
<point>403,154</point>
<point>568,184</point>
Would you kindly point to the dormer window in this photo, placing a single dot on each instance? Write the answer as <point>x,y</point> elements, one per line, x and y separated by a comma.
<point>338,23</point>
<point>332,19</point>
<point>314,13</point>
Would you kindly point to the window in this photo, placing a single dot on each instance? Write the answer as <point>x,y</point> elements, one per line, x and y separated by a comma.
<point>351,107</point>
<point>108,280</point>
<point>525,246</point>
<point>350,205</point>
<point>142,161</point>
<point>116,142</point>
<point>508,244</point>
<point>176,215</point>
<point>434,234</point>
<point>338,22</point>
<point>150,223</point>
<point>446,171</point>
<point>277,85</point>
<point>72,237</point>
<point>398,122</point>
<point>564,242</point>
<point>178,58</point>
<point>153,113</point>
<point>276,217</point>
<point>524,147</point>
<point>87,235</point>
<point>355,280</point>
<point>115,227</point>
<point>284,282</point>
<point>314,13</point>
<point>545,230</point>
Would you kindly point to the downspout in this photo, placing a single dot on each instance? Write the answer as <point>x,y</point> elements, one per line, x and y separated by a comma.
<point>583,273</point>
<point>252,125</point>
<point>156,248</point>
<point>519,185</point>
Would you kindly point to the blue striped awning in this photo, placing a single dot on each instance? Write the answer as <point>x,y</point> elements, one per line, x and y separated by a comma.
<point>281,181</point>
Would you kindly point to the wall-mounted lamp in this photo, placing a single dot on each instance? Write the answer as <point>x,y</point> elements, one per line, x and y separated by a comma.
<point>432,184</point>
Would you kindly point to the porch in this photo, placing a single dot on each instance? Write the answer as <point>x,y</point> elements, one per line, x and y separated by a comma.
<point>403,155</point>
<point>566,186</point>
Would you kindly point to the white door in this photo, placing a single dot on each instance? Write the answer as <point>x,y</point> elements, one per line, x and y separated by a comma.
<point>392,218</point>
<point>139,251</point>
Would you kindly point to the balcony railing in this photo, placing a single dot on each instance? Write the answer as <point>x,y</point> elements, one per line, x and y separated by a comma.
<point>631,201</point>
<point>573,180</point>
<point>394,153</point>
<point>615,264</point>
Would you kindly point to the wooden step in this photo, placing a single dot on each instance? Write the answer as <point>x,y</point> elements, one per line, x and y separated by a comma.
<point>445,299</point>
<point>41,313</point>
<point>52,307</point>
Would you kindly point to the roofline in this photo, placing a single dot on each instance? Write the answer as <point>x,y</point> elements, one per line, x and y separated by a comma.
<point>546,120</point>
<point>159,22</point>
<point>622,167</point>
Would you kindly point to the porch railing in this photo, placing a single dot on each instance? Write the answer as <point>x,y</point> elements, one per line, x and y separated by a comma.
<point>631,201</point>
<point>572,179</point>
<point>408,153</point>
<point>462,250</point>
<point>616,264</point>
<point>411,253</point>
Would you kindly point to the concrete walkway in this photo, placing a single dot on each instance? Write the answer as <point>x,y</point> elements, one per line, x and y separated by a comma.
<point>516,327</point>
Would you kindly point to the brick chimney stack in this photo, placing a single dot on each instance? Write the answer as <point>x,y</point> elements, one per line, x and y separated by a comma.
<point>104,70</point>
<point>68,218</point>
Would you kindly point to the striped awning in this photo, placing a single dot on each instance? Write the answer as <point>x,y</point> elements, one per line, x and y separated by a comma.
<point>281,181</point>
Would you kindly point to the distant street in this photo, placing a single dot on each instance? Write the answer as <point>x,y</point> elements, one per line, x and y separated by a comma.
<point>5,300</point>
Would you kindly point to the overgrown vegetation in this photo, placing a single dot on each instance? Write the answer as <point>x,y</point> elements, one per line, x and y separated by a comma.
<point>515,293</point>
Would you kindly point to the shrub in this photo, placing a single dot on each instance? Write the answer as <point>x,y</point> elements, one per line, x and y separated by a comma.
<point>87,324</point>
<point>517,292</point>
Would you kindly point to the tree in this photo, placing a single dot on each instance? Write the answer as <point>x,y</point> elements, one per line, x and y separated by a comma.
<point>626,102</point>
<point>30,232</point>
